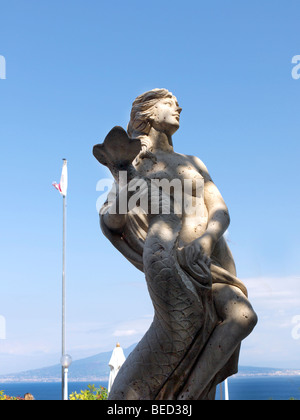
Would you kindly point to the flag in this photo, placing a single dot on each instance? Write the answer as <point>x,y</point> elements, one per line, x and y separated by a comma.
<point>63,185</point>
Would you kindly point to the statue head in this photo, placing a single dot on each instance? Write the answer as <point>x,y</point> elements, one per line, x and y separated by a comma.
<point>157,108</point>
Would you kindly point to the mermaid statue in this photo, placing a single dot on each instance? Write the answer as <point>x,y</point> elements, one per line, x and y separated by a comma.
<point>201,309</point>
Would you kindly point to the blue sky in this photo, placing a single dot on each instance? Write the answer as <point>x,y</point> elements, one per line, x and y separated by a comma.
<point>73,69</point>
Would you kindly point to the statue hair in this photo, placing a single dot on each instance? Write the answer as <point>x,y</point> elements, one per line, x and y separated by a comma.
<point>141,117</point>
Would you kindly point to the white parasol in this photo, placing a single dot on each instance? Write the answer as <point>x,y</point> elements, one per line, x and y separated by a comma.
<point>116,361</point>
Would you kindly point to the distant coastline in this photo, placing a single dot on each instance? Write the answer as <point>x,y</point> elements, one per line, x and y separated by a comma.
<point>277,373</point>
<point>96,369</point>
<point>19,379</point>
<point>31,379</point>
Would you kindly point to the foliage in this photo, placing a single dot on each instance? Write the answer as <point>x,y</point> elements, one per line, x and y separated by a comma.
<point>4,397</point>
<point>92,393</point>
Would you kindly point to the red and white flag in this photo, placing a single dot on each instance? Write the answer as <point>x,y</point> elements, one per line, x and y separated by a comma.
<point>63,185</point>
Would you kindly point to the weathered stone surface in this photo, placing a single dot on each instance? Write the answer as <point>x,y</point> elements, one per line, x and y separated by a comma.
<point>202,312</point>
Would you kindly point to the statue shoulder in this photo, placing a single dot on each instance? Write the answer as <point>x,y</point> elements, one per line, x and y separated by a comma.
<point>200,166</point>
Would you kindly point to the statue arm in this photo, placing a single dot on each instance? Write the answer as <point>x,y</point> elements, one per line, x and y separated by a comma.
<point>118,242</point>
<point>114,222</point>
<point>109,213</point>
<point>218,214</point>
<point>113,226</point>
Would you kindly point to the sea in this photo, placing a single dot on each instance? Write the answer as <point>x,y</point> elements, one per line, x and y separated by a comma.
<point>259,388</point>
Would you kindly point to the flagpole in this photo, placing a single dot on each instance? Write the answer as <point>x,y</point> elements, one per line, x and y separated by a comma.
<point>66,360</point>
<point>64,384</point>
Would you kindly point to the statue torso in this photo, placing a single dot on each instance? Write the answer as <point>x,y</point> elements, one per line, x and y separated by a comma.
<point>172,166</point>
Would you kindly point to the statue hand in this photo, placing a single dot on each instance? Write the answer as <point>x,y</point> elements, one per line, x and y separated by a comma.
<point>195,258</point>
<point>204,247</point>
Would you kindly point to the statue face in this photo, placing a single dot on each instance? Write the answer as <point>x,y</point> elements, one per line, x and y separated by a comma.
<point>167,115</point>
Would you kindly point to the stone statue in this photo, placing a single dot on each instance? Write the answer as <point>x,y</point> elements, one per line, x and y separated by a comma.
<point>201,309</point>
